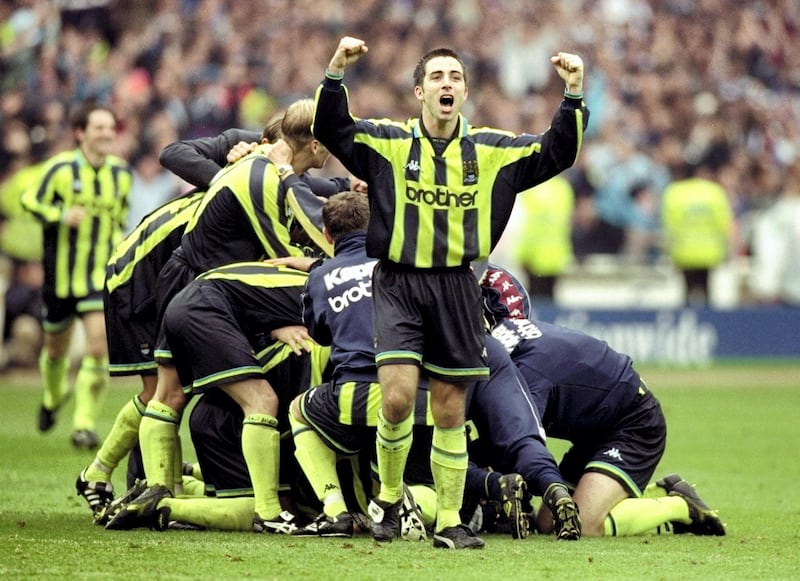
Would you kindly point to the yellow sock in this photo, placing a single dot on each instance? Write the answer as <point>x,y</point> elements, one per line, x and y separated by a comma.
<point>54,377</point>
<point>90,389</point>
<point>425,497</point>
<point>636,516</point>
<point>177,466</point>
<point>120,440</point>
<point>652,490</point>
<point>196,472</point>
<point>392,443</point>
<point>225,514</point>
<point>261,449</point>
<point>449,463</point>
<point>158,434</point>
<point>194,487</point>
<point>318,463</point>
<point>359,493</point>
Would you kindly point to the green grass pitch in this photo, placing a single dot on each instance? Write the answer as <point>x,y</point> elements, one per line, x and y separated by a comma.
<point>733,431</point>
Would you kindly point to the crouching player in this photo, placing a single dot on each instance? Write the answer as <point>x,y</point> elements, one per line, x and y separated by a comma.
<point>211,327</point>
<point>591,396</point>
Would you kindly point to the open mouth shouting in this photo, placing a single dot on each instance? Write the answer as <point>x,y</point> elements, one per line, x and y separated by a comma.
<point>447,102</point>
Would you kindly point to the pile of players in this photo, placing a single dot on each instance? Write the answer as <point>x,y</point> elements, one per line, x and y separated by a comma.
<point>286,345</point>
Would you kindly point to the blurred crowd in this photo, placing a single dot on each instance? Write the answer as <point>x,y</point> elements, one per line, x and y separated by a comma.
<point>674,87</point>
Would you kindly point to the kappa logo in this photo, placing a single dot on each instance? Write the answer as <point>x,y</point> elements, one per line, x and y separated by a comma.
<point>613,453</point>
<point>413,165</point>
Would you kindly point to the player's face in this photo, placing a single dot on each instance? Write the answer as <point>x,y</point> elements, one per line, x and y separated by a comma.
<point>443,89</point>
<point>97,140</point>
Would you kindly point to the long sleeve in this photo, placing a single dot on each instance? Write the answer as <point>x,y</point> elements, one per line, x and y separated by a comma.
<point>198,160</point>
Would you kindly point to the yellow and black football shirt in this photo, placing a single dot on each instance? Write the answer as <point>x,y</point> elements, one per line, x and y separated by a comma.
<point>75,258</point>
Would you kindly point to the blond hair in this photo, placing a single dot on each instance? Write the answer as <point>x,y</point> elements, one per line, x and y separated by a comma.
<point>296,125</point>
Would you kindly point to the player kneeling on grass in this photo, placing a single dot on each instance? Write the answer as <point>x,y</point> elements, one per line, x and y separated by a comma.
<point>591,396</point>
<point>237,303</point>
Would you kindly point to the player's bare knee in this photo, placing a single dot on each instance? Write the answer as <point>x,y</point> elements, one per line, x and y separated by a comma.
<point>294,411</point>
<point>397,405</point>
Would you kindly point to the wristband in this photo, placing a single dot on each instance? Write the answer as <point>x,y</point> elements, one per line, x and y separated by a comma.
<point>334,76</point>
<point>569,95</point>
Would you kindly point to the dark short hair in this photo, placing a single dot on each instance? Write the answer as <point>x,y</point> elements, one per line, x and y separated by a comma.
<point>79,117</point>
<point>419,70</point>
<point>272,130</point>
<point>345,213</point>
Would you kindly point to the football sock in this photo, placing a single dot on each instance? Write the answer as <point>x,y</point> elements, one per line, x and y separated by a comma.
<point>120,440</point>
<point>392,444</point>
<point>261,450</point>
<point>225,514</point>
<point>158,434</point>
<point>196,472</point>
<point>194,487</point>
<point>318,463</point>
<point>491,486</point>
<point>359,494</point>
<point>635,516</point>
<point>425,497</point>
<point>177,466</point>
<point>90,389</point>
<point>449,462</point>
<point>652,490</point>
<point>54,377</point>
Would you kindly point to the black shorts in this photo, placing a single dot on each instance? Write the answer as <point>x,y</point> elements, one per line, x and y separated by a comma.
<point>58,313</point>
<point>206,342</point>
<point>629,454</point>
<point>131,331</point>
<point>173,277</point>
<point>430,318</point>
<point>345,414</point>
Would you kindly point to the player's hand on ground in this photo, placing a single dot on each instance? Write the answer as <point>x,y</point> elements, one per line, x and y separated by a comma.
<point>570,68</point>
<point>239,150</point>
<point>295,336</point>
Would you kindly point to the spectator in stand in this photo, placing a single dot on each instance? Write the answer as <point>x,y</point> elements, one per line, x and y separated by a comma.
<point>775,247</point>
<point>206,64</point>
<point>153,186</point>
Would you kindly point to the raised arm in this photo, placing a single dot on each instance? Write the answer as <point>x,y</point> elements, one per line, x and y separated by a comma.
<point>349,51</point>
<point>570,68</point>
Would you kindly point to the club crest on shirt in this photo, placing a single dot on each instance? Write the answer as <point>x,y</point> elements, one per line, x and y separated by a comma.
<point>470,171</point>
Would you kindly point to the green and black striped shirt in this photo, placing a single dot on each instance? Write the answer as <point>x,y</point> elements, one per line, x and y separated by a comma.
<point>75,258</point>
<point>144,251</point>
<point>247,213</point>
<point>438,210</point>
